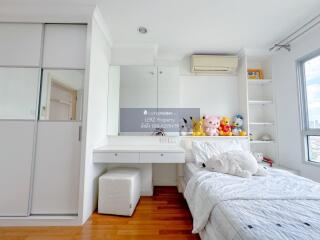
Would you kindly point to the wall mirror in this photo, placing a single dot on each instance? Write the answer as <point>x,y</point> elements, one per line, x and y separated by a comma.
<point>18,93</point>
<point>61,95</point>
<point>135,90</point>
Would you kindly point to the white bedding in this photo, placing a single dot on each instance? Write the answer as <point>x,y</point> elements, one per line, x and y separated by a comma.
<point>280,205</point>
<point>189,170</point>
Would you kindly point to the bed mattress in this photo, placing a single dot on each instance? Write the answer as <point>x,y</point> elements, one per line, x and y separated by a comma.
<point>278,206</point>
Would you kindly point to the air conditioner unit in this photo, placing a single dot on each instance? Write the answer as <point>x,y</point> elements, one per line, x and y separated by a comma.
<point>214,64</point>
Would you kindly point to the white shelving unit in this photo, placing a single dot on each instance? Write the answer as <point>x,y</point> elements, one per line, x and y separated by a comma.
<point>262,107</point>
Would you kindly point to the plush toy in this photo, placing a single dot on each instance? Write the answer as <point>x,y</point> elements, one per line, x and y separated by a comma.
<point>237,126</point>
<point>197,127</point>
<point>225,128</point>
<point>211,125</point>
<point>238,163</point>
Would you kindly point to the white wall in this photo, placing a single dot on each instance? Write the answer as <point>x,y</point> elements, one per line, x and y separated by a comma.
<point>96,118</point>
<point>286,87</point>
<point>213,94</point>
<point>113,100</point>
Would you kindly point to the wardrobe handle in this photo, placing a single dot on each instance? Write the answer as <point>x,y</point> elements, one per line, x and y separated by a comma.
<point>80,133</point>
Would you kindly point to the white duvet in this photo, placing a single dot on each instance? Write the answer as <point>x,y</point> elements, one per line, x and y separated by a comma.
<point>207,190</point>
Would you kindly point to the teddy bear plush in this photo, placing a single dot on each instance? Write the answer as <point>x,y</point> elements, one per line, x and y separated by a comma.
<point>237,126</point>
<point>225,128</point>
<point>238,163</point>
<point>211,125</point>
<point>197,127</point>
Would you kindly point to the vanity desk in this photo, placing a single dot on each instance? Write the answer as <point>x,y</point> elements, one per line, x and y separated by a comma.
<point>139,156</point>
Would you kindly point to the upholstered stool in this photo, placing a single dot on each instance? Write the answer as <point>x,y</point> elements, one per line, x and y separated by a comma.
<point>119,191</point>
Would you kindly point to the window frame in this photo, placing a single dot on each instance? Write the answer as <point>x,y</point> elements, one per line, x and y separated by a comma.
<point>306,132</point>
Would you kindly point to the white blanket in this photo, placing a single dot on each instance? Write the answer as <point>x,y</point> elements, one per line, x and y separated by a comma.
<point>207,189</point>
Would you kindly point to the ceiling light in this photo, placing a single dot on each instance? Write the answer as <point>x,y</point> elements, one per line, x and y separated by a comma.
<point>142,30</point>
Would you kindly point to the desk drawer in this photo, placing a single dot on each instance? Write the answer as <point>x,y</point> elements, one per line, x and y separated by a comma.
<point>115,157</point>
<point>162,157</point>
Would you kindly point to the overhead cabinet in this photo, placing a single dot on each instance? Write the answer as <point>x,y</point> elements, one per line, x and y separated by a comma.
<point>64,46</point>
<point>20,44</point>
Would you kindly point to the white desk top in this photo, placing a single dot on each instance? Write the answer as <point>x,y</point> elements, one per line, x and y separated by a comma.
<point>140,148</point>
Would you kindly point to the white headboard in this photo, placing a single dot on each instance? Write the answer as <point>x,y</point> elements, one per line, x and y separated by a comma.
<point>186,143</point>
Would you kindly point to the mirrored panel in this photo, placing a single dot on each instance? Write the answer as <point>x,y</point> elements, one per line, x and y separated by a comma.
<point>61,95</point>
<point>138,87</point>
<point>18,93</point>
<point>138,95</point>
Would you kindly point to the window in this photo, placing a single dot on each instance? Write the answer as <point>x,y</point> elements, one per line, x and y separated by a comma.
<point>310,103</point>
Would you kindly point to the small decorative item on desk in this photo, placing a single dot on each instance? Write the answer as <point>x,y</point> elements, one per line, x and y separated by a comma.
<point>197,127</point>
<point>237,126</point>
<point>159,132</point>
<point>255,74</point>
<point>185,127</point>
<point>211,125</point>
<point>225,128</point>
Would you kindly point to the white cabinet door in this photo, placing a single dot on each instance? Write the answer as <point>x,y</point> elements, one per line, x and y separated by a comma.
<point>20,44</point>
<point>16,153</point>
<point>65,46</point>
<point>57,169</point>
<point>168,87</point>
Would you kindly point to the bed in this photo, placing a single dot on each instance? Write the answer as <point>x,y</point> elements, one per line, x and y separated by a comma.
<point>280,205</point>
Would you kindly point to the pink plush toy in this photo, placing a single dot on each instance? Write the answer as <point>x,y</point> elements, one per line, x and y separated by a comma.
<point>211,125</point>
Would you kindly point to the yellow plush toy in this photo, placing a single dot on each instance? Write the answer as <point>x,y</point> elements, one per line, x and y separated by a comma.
<point>197,127</point>
<point>225,128</point>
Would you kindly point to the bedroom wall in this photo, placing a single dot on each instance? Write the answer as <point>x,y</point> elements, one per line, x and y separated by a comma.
<point>213,94</point>
<point>286,90</point>
<point>96,117</point>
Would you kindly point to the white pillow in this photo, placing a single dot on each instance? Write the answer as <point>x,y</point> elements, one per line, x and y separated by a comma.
<point>238,163</point>
<point>203,151</point>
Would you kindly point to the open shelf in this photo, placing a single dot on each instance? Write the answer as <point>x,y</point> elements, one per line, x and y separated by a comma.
<point>261,142</point>
<point>260,102</point>
<point>261,123</point>
<point>259,81</point>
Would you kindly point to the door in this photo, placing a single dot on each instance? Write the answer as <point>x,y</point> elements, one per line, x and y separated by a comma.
<point>57,168</point>
<point>18,101</point>
<point>57,164</point>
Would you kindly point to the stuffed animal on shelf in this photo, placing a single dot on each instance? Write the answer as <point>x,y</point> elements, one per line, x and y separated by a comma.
<point>225,128</point>
<point>237,126</point>
<point>197,127</point>
<point>211,125</point>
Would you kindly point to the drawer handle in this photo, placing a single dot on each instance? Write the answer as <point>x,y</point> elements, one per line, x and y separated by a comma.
<point>161,154</point>
<point>116,154</point>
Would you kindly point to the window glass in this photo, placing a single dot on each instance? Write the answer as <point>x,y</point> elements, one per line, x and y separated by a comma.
<point>314,148</point>
<point>312,83</point>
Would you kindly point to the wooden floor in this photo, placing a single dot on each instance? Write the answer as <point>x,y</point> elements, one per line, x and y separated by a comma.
<point>163,216</point>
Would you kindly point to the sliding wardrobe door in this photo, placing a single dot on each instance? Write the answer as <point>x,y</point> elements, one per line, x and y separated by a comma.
<point>18,104</point>
<point>57,169</point>
<point>57,165</point>
<point>20,44</point>
<point>65,46</point>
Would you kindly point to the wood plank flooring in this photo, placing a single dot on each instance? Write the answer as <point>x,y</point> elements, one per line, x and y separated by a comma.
<point>163,216</point>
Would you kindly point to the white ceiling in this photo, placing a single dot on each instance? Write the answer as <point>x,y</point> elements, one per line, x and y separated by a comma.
<point>180,27</point>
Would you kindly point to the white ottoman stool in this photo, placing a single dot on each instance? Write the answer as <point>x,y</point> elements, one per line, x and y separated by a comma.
<point>119,191</point>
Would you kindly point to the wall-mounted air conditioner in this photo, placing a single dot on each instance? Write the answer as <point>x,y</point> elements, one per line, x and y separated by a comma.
<point>214,64</point>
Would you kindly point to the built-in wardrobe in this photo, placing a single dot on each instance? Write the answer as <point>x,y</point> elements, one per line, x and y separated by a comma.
<point>42,72</point>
